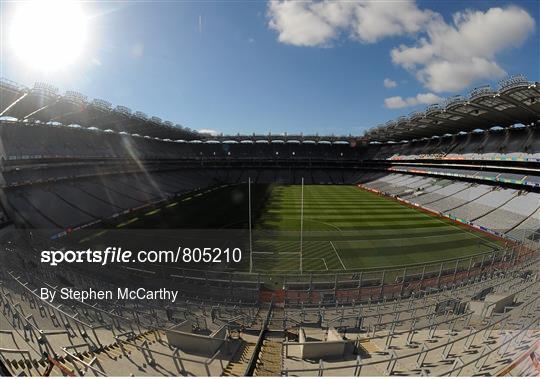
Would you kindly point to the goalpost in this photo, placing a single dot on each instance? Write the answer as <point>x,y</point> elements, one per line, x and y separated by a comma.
<point>250,238</point>
<point>301,224</point>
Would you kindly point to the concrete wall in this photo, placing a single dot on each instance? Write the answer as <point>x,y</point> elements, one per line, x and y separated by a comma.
<point>334,346</point>
<point>500,301</point>
<point>180,336</point>
<point>493,303</point>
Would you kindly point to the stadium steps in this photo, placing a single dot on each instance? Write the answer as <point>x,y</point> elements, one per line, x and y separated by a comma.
<point>238,364</point>
<point>270,359</point>
<point>73,205</point>
<point>452,194</point>
<point>36,210</point>
<point>89,193</point>
<point>276,323</point>
<point>37,367</point>
<point>110,187</point>
<point>467,202</point>
<point>370,347</point>
<point>141,186</point>
<point>522,221</point>
<point>32,367</point>
<point>494,209</point>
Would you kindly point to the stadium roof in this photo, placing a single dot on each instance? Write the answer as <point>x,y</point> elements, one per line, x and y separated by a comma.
<point>517,101</point>
<point>42,102</point>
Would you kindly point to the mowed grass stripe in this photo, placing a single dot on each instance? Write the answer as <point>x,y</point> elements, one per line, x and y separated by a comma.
<point>370,234</point>
<point>329,217</point>
<point>322,225</point>
<point>367,230</point>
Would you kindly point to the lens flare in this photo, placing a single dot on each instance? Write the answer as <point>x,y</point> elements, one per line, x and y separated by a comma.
<point>48,35</point>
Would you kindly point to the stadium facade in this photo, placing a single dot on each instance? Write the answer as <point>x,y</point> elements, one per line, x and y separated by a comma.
<point>69,164</point>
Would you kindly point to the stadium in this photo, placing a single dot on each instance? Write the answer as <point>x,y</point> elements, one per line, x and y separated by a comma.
<point>410,250</point>
<point>135,246</point>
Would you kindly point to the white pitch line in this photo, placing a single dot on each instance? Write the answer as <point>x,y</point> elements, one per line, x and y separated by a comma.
<point>340,261</point>
<point>404,238</point>
<point>397,238</point>
<point>277,252</point>
<point>466,230</point>
<point>325,265</point>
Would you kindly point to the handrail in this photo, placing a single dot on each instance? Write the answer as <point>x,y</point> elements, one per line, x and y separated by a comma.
<point>56,308</point>
<point>87,305</point>
<point>253,360</point>
<point>475,332</point>
<point>486,354</point>
<point>88,366</point>
<point>506,370</point>
<point>148,354</point>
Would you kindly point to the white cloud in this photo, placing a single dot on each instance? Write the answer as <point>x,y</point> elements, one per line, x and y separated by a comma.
<point>396,102</point>
<point>301,24</point>
<point>443,75</point>
<point>389,83</point>
<point>310,23</point>
<point>211,132</point>
<point>375,20</point>
<point>447,56</point>
<point>454,56</point>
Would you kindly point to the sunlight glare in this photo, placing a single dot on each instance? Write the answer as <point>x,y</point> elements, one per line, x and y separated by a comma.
<point>48,35</point>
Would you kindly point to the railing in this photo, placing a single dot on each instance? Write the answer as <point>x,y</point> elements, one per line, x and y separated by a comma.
<point>454,100</point>
<point>103,105</point>
<point>481,91</point>
<point>76,362</point>
<point>507,370</point>
<point>420,356</point>
<point>253,360</point>
<point>176,358</point>
<point>487,351</point>
<point>378,283</point>
<point>63,318</point>
<point>10,84</point>
<point>375,283</point>
<point>513,81</point>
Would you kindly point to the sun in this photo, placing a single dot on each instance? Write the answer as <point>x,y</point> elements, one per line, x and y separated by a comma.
<point>48,35</point>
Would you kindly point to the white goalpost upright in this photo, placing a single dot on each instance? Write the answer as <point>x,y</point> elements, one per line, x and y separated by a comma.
<point>250,238</point>
<point>301,224</point>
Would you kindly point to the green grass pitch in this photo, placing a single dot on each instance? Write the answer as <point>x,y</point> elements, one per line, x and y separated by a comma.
<point>345,228</point>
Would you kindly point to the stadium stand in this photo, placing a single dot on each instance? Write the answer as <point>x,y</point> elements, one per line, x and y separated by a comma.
<point>209,338</point>
<point>468,192</point>
<point>495,208</point>
<point>512,213</point>
<point>473,315</point>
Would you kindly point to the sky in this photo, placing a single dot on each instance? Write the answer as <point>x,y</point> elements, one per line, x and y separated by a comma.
<point>326,67</point>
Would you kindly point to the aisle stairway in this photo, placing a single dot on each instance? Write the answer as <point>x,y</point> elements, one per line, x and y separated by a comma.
<point>238,364</point>
<point>270,359</point>
<point>38,367</point>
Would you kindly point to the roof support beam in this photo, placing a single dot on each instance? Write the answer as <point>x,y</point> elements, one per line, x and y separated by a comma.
<point>517,104</point>
<point>39,110</point>
<point>13,104</point>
